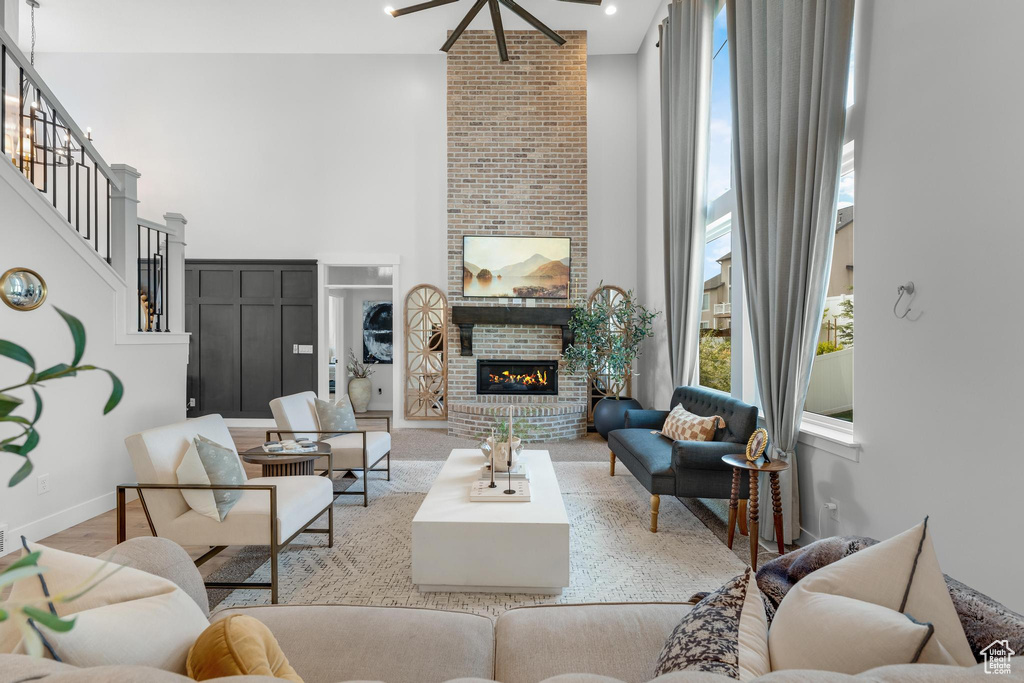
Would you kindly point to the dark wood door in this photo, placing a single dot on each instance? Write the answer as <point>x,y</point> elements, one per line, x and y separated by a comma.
<point>253,326</point>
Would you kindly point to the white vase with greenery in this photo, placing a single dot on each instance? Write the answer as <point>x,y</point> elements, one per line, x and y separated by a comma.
<point>360,388</point>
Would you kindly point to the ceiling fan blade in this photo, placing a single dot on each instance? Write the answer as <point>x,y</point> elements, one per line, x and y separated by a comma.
<point>466,21</point>
<point>533,21</point>
<point>423,5</point>
<point>499,30</point>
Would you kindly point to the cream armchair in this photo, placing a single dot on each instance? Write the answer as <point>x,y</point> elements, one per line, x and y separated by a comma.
<point>355,450</point>
<point>272,511</point>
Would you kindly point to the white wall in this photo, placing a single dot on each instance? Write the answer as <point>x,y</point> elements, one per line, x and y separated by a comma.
<point>937,399</point>
<point>277,156</point>
<point>383,375</point>
<point>611,186</point>
<point>81,449</point>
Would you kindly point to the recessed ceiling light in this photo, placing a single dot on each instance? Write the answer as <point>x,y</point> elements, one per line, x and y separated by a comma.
<point>389,9</point>
<point>610,10</point>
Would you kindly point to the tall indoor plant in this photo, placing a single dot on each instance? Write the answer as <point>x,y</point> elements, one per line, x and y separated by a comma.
<point>609,332</point>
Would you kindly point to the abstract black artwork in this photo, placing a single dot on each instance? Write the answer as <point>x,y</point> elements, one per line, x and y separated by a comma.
<point>377,332</point>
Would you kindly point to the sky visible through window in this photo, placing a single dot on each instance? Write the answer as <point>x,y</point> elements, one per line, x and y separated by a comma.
<point>719,178</point>
<point>719,138</point>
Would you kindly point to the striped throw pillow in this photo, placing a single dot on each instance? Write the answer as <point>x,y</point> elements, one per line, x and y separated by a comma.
<point>682,425</point>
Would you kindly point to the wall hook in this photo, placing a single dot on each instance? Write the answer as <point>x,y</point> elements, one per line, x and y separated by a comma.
<point>908,290</point>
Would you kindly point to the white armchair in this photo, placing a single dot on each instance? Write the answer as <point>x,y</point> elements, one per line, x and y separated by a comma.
<point>355,450</point>
<point>272,511</point>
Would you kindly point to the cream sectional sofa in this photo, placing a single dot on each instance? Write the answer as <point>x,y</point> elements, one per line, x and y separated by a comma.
<point>598,643</point>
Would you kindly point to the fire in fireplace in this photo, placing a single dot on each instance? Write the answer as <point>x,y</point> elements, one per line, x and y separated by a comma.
<point>517,377</point>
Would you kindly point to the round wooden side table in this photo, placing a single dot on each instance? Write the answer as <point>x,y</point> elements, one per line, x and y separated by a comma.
<point>738,464</point>
<point>286,464</point>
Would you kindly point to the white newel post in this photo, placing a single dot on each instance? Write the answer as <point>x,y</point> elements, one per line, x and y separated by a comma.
<point>124,227</point>
<point>175,223</point>
<point>124,239</point>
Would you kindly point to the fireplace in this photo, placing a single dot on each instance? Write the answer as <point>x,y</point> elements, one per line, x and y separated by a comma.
<point>517,377</point>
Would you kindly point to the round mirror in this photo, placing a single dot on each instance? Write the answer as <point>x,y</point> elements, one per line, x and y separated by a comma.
<point>22,289</point>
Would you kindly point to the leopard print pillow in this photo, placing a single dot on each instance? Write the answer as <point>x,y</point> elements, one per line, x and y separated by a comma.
<point>725,633</point>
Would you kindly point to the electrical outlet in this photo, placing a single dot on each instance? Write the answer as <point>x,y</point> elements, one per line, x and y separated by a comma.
<point>42,484</point>
<point>191,403</point>
<point>834,512</point>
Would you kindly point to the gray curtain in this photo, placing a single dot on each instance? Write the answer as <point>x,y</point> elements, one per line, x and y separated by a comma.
<point>686,36</point>
<point>789,69</point>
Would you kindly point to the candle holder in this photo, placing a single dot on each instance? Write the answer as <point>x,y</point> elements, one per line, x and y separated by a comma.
<point>492,485</point>
<point>509,491</point>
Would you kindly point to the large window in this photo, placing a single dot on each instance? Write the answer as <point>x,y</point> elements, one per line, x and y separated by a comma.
<point>716,318</point>
<point>830,394</point>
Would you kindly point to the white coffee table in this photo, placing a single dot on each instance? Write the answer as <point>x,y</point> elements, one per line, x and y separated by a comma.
<point>491,547</point>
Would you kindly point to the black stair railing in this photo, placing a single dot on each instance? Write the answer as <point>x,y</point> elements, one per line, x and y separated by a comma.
<point>47,146</point>
<point>153,278</point>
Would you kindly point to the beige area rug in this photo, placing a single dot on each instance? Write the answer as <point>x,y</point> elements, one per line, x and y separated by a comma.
<point>613,557</point>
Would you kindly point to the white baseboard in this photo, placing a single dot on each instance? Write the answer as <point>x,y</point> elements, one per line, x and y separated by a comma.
<point>63,519</point>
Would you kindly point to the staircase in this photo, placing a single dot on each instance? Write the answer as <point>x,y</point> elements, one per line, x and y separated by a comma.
<point>93,203</point>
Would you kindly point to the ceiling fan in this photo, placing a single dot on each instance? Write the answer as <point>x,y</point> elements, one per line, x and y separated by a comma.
<point>495,9</point>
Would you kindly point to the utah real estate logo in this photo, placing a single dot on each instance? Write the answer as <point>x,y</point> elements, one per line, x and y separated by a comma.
<point>997,657</point>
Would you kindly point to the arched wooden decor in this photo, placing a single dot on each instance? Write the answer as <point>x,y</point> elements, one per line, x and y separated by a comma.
<point>601,385</point>
<point>426,354</point>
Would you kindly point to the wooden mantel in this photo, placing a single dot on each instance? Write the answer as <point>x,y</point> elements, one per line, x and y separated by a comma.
<point>468,316</point>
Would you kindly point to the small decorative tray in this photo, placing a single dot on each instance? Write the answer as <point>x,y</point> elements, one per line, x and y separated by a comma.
<point>479,492</point>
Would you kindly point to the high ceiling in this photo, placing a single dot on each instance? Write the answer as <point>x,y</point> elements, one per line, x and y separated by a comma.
<point>305,26</point>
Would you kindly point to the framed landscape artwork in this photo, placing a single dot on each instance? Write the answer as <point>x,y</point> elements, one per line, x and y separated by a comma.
<point>515,267</point>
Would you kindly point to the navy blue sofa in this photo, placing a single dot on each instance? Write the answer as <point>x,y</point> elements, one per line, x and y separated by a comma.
<point>687,469</point>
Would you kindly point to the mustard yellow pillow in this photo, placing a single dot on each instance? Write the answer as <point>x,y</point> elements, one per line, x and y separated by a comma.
<point>238,646</point>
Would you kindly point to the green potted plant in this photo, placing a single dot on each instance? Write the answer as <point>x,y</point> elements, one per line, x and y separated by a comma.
<point>609,332</point>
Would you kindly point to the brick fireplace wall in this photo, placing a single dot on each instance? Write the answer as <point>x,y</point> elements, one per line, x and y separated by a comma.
<point>517,165</point>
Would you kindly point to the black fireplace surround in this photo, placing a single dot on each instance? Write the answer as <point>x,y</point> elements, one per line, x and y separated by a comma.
<point>517,377</point>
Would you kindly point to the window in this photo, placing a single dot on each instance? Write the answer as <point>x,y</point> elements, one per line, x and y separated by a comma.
<point>715,339</point>
<point>831,391</point>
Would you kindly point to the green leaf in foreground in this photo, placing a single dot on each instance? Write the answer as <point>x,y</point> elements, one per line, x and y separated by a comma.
<point>116,393</point>
<point>26,561</point>
<point>77,333</point>
<point>23,472</point>
<point>8,403</point>
<point>18,353</point>
<point>49,619</point>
